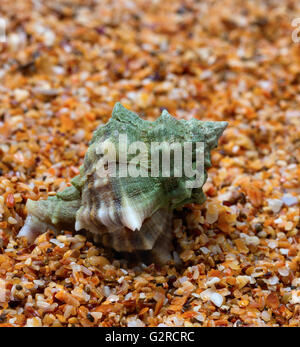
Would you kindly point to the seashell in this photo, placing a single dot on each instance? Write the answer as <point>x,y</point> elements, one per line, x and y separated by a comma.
<point>117,197</point>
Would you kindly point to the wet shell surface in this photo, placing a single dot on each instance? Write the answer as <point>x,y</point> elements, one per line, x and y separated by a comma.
<point>123,212</point>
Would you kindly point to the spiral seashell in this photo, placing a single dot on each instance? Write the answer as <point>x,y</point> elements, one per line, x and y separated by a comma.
<point>125,211</point>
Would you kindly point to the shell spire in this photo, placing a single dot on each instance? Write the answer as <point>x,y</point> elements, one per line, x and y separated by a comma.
<point>135,173</point>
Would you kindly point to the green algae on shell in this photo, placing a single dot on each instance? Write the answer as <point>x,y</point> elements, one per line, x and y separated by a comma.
<point>128,213</point>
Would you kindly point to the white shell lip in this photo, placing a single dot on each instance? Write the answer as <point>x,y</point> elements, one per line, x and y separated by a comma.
<point>131,218</point>
<point>78,225</point>
<point>27,232</point>
<point>32,229</point>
